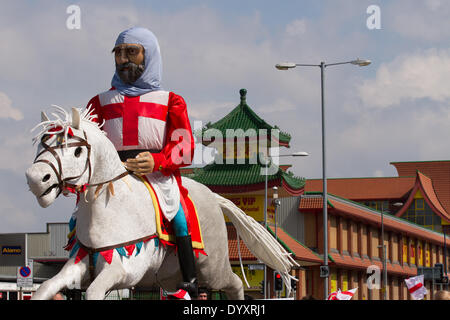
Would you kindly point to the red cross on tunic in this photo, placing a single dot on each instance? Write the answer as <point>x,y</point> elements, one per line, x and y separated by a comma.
<point>130,110</point>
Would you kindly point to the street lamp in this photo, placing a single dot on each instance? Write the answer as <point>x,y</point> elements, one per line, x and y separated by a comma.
<point>295,154</point>
<point>322,66</point>
<point>291,65</point>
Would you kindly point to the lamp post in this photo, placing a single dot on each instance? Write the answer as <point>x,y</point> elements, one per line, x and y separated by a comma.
<point>322,66</point>
<point>295,154</point>
<point>276,204</point>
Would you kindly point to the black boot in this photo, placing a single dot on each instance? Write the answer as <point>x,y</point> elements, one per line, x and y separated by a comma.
<point>187,265</point>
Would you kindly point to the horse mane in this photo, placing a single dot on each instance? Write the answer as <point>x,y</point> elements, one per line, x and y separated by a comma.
<point>62,122</point>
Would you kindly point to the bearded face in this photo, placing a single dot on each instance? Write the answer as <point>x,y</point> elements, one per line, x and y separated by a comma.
<point>130,62</point>
<point>129,72</point>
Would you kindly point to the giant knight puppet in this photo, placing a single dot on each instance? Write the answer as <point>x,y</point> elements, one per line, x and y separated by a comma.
<point>150,129</point>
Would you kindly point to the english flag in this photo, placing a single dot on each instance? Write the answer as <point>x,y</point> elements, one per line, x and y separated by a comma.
<point>416,287</point>
<point>342,295</point>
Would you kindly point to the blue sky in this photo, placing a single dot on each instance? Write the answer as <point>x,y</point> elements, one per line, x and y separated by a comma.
<point>396,109</point>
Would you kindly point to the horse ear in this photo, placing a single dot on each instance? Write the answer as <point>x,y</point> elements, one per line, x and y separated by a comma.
<point>75,118</point>
<point>44,117</point>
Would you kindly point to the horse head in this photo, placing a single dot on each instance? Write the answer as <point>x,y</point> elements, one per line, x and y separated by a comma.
<point>66,154</point>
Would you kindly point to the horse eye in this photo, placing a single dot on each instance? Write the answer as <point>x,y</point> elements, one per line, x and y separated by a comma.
<point>78,151</point>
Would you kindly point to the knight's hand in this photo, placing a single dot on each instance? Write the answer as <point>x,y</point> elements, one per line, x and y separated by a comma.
<point>142,164</point>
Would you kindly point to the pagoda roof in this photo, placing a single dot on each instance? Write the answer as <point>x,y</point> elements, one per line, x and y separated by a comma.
<point>224,178</point>
<point>241,119</point>
<point>438,172</point>
<point>425,185</point>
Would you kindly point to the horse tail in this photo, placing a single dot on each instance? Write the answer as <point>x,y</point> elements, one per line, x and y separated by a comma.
<point>259,241</point>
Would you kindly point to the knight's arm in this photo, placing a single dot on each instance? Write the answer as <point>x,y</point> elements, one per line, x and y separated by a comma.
<point>179,147</point>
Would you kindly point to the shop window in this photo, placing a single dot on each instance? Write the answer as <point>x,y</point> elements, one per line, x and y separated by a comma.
<point>333,281</point>
<point>421,214</point>
<point>345,281</point>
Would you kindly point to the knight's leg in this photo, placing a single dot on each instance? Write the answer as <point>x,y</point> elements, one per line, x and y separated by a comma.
<point>179,224</point>
<point>185,253</point>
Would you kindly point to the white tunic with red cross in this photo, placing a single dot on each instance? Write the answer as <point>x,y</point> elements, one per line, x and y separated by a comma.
<point>135,122</point>
<point>147,122</point>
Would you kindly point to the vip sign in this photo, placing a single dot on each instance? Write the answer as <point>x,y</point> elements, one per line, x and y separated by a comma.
<point>253,276</point>
<point>254,206</point>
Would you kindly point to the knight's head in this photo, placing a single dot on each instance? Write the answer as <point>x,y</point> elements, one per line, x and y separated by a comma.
<point>138,62</point>
<point>130,61</point>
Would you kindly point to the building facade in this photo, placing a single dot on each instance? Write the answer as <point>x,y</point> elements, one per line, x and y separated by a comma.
<point>415,208</point>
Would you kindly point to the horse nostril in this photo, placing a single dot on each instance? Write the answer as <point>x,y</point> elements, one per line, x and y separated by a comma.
<point>46,177</point>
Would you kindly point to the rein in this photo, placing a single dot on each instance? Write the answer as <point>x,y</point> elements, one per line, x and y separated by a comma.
<point>63,184</point>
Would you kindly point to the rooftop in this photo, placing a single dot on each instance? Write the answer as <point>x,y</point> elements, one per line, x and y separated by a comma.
<point>358,189</point>
<point>357,211</point>
<point>437,171</point>
<point>245,122</point>
<point>244,177</point>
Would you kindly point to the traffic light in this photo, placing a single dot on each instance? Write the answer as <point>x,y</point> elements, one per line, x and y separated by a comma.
<point>278,282</point>
<point>440,268</point>
<point>443,279</point>
<point>262,287</point>
<point>294,284</point>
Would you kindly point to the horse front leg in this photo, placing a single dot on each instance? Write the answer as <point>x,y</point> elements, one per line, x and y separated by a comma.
<point>70,275</point>
<point>109,276</point>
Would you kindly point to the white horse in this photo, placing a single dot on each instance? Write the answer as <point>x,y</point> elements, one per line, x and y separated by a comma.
<point>116,209</point>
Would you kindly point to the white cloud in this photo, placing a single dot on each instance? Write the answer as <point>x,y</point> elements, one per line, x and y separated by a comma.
<point>17,152</point>
<point>207,110</point>
<point>14,218</point>
<point>409,77</point>
<point>7,110</point>
<point>419,20</point>
<point>279,105</point>
<point>433,4</point>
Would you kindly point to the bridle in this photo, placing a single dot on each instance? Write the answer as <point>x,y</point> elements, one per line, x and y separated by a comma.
<point>63,184</point>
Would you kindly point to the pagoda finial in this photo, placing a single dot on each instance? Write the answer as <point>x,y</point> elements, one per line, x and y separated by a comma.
<point>243,93</point>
